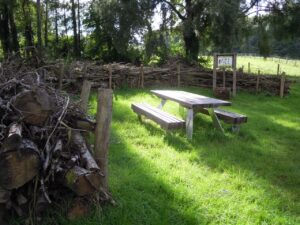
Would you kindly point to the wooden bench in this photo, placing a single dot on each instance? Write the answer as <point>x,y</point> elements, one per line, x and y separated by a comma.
<point>164,119</point>
<point>228,117</point>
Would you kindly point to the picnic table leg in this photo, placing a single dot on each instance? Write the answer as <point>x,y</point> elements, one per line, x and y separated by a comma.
<point>161,105</point>
<point>189,123</point>
<point>215,119</point>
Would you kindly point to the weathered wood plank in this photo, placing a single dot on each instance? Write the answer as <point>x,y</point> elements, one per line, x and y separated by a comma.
<point>102,132</point>
<point>164,119</point>
<point>227,117</point>
<point>190,100</point>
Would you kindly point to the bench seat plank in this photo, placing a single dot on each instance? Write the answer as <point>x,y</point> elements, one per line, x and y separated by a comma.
<point>227,117</point>
<point>164,119</point>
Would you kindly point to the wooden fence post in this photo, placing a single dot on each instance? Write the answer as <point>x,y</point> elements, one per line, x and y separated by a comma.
<point>142,75</point>
<point>215,72</point>
<point>234,76</point>
<point>282,83</point>
<point>178,76</point>
<point>61,75</point>
<point>278,69</point>
<point>257,81</point>
<point>85,94</point>
<point>102,132</point>
<point>224,78</point>
<point>249,69</point>
<point>110,76</point>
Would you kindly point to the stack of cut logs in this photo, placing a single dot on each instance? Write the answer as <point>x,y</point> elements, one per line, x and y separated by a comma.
<point>43,153</point>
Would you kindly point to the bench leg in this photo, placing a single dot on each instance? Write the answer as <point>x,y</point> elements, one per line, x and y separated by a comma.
<point>215,119</point>
<point>140,118</point>
<point>235,128</point>
<point>189,123</point>
<point>161,105</point>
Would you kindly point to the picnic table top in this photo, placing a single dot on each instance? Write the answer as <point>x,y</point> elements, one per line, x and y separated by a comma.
<point>190,100</point>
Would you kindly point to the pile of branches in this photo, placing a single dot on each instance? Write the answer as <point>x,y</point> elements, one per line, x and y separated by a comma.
<point>190,75</point>
<point>44,156</point>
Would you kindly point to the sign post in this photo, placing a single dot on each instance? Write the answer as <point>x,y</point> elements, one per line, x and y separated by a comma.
<point>225,61</point>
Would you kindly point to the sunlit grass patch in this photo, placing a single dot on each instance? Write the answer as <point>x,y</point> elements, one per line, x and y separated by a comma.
<point>163,178</point>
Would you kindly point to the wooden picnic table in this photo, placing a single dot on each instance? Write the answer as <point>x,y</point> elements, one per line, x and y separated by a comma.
<point>193,103</point>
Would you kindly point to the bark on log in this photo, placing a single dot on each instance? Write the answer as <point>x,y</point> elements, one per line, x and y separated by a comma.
<point>78,143</point>
<point>85,125</point>
<point>79,208</point>
<point>81,181</point>
<point>34,106</point>
<point>19,160</point>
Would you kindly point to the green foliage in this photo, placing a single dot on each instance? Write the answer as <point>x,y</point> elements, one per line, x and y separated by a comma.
<point>263,44</point>
<point>285,19</point>
<point>224,30</point>
<point>114,25</point>
<point>155,60</point>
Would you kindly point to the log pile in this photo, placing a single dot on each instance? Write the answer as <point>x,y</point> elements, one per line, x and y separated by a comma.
<point>44,156</point>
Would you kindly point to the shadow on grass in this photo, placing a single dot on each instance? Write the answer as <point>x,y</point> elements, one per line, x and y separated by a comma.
<point>142,197</point>
<point>264,146</point>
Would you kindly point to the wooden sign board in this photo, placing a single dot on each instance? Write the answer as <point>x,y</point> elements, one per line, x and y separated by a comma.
<point>224,61</point>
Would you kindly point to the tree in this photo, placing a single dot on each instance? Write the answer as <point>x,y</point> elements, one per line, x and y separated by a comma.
<point>79,24</point>
<point>46,22</point>
<point>39,26</point>
<point>285,19</point>
<point>4,29</point>
<point>115,25</point>
<point>8,29</point>
<point>194,17</point>
<point>225,26</point>
<point>28,31</point>
<point>76,47</point>
<point>263,43</point>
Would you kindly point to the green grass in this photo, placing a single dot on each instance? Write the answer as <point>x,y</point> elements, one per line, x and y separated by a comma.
<point>163,178</point>
<point>269,65</point>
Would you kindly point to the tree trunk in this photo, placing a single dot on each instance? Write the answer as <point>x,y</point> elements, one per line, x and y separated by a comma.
<point>65,19</point>
<point>79,25</point>
<point>46,23</point>
<point>14,33</point>
<point>4,30</point>
<point>75,35</point>
<point>190,39</point>
<point>28,29</point>
<point>56,25</point>
<point>39,26</point>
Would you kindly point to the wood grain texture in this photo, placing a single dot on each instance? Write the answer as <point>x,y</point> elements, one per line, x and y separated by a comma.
<point>102,132</point>
<point>227,117</point>
<point>166,120</point>
<point>190,100</point>
<point>85,94</point>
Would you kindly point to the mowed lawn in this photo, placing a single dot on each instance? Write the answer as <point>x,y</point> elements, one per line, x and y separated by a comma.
<point>267,66</point>
<point>162,178</point>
